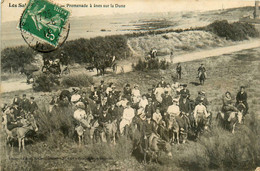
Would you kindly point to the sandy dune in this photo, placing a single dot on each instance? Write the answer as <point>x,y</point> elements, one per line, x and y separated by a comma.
<point>9,86</point>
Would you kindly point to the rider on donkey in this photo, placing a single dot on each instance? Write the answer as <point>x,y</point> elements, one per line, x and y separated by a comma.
<point>149,131</point>
<point>242,98</point>
<point>202,96</point>
<point>12,122</point>
<point>185,91</point>
<point>185,108</point>
<point>200,111</point>
<point>128,115</point>
<point>227,105</point>
<point>103,122</point>
<point>80,115</point>
<point>201,70</point>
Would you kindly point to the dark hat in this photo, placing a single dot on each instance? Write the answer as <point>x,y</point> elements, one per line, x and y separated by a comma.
<point>201,64</point>
<point>184,85</point>
<point>24,95</point>
<point>12,108</point>
<point>32,97</point>
<point>15,103</point>
<point>227,92</point>
<point>184,95</point>
<point>127,85</point>
<point>150,89</point>
<point>102,81</point>
<point>148,116</point>
<point>166,92</point>
<point>242,87</point>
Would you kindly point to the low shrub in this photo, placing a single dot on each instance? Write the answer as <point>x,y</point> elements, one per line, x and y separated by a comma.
<point>151,64</point>
<point>60,121</point>
<point>236,31</point>
<point>45,82</point>
<point>14,59</point>
<point>84,50</point>
<point>80,80</point>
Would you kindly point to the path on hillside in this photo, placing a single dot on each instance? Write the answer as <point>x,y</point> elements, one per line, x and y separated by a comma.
<point>9,86</point>
<point>205,53</point>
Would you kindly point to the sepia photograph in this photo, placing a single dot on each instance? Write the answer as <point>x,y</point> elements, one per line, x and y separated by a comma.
<point>111,85</point>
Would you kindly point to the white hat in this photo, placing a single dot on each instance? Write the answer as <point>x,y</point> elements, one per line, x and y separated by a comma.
<point>175,100</point>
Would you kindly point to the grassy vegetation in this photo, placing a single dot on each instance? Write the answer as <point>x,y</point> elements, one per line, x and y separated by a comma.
<point>84,50</point>
<point>151,64</point>
<point>76,80</point>
<point>216,150</point>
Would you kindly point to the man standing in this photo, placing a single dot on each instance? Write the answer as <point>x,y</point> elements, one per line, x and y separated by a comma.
<point>242,98</point>
<point>17,100</point>
<point>178,71</point>
<point>25,104</point>
<point>171,57</point>
<point>33,107</point>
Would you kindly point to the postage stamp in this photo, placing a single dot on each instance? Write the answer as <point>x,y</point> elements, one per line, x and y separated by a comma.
<point>44,20</point>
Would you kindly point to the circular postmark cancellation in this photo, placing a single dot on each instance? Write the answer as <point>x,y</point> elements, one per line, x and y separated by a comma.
<point>44,26</point>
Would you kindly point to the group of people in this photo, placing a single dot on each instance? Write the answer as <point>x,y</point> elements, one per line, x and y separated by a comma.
<point>21,108</point>
<point>241,102</point>
<point>201,70</point>
<point>104,104</point>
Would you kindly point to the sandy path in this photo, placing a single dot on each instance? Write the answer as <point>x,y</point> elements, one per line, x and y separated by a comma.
<point>9,86</point>
<point>215,52</point>
<point>14,85</point>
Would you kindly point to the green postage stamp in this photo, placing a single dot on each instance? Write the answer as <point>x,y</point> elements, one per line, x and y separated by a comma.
<point>44,20</point>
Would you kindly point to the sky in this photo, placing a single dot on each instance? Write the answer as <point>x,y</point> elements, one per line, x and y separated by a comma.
<point>131,6</point>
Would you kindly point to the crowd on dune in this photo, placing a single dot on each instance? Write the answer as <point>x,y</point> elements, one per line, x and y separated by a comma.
<point>166,111</point>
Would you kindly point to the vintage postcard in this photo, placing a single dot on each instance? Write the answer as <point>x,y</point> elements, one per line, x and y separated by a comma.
<point>130,85</point>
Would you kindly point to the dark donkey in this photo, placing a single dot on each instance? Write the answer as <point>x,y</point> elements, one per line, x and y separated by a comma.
<point>202,78</point>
